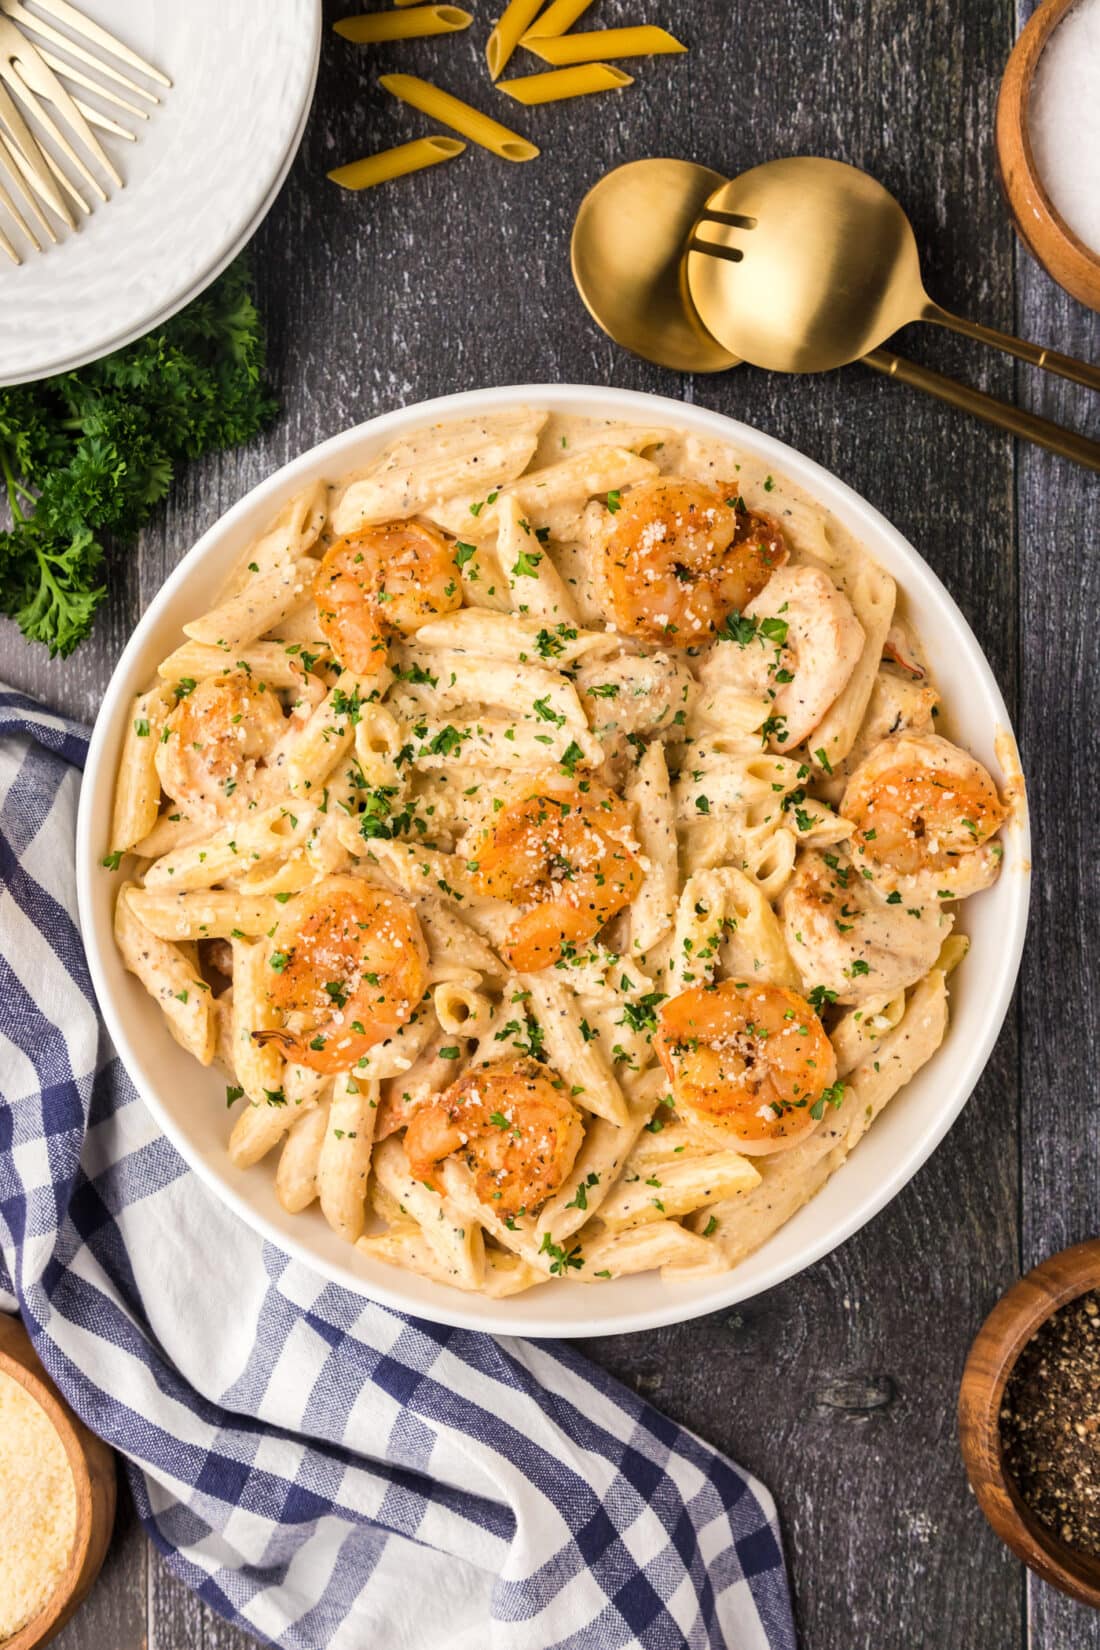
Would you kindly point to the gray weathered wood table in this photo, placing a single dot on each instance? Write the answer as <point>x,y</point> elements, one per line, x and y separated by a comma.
<point>839,1388</point>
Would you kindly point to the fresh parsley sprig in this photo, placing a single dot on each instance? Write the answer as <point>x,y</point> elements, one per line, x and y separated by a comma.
<point>85,456</point>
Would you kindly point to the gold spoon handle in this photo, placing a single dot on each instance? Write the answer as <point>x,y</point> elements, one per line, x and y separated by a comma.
<point>1066,443</point>
<point>1066,366</point>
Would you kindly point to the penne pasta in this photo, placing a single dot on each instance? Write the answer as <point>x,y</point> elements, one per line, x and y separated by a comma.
<point>398,162</point>
<point>296,1175</point>
<point>205,915</point>
<point>446,461</point>
<point>259,1129</point>
<point>289,537</point>
<point>369,28</point>
<point>587,925</point>
<point>654,910</point>
<point>137,791</point>
<point>171,978</point>
<point>558,85</point>
<point>268,598</point>
<point>644,40</point>
<point>276,664</point>
<point>461,117</point>
<point>505,37</point>
<point>456,1242</point>
<point>344,1162</point>
<point>258,1066</point>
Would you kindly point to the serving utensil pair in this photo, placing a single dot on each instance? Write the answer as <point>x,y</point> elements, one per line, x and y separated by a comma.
<point>800,265</point>
<point>41,120</point>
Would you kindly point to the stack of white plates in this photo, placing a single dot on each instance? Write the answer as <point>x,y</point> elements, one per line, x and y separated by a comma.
<point>198,182</point>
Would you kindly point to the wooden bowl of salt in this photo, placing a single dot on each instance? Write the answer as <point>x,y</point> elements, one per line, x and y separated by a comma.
<point>1048,142</point>
<point>57,1499</point>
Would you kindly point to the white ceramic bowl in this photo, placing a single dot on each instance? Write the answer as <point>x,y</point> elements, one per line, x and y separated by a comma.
<point>189,1103</point>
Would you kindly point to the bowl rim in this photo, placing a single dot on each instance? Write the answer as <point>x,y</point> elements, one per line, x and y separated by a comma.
<point>1012,1322</point>
<point>867,523</point>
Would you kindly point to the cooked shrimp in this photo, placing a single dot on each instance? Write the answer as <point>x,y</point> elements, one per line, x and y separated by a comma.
<point>515,1126</point>
<point>818,641</point>
<point>217,737</point>
<point>919,803</point>
<point>681,556</point>
<point>850,942</point>
<point>560,854</point>
<point>900,703</point>
<point>749,1063</point>
<point>383,581</point>
<point>348,967</point>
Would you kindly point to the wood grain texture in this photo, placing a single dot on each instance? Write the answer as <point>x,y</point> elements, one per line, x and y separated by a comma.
<point>839,1388</point>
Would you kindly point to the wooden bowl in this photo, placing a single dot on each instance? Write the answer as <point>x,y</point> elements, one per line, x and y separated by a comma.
<point>1008,1328</point>
<point>1046,235</point>
<point>93,1469</point>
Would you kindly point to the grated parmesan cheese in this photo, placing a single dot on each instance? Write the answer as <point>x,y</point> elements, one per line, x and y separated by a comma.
<point>37,1508</point>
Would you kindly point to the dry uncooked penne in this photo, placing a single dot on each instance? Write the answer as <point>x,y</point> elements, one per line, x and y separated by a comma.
<point>397,162</point>
<point>369,28</point>
<point>461,117</point>
<point>588,46</point>
<point>557,85</point>
<point>506,36</point>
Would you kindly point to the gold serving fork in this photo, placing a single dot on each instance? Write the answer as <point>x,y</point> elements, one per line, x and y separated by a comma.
<point>31,75</point>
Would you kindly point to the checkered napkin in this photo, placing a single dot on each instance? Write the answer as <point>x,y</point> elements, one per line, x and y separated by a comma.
<point>322,1471</point>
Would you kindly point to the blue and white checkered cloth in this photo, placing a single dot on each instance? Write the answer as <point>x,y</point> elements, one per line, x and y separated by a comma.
<point>322,1471</point>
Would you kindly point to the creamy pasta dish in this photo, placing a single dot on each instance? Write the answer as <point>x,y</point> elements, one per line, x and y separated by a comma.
<point>549,832</point>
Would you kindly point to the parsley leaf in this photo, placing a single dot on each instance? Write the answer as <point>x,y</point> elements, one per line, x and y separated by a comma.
<point>88,454</point>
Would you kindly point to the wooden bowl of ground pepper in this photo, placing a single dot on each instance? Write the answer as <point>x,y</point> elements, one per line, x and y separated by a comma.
<point>1029,1420</point>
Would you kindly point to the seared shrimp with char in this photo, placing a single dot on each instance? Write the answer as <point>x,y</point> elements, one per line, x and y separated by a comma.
<point>563,856</point>
<point>383,581</point>
<point>514,1125</point>
<point>924,812</point>
<point>216,741</point>
<point>680,556</point>
<point>749,1063</point>
<point>348,966</point>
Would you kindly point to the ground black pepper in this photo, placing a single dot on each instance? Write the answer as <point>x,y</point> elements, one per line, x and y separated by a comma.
<point>1050,1424</point>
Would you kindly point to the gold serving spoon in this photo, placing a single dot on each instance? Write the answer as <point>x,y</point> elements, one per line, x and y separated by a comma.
<point>804,264</point>
<point>630,255</point>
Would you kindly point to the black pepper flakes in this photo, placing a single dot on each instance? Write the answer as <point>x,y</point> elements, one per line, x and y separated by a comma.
<point>1050,1424</point>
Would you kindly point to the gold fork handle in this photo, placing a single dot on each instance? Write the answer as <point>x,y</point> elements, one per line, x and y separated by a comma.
<point>1066,366</point>
<point>1066,443</point>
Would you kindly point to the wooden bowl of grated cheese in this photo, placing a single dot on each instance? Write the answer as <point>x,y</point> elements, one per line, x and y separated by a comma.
<point>57,1499</point>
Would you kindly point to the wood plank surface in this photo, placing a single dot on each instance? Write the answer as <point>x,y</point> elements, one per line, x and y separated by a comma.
<point>839,1388</point>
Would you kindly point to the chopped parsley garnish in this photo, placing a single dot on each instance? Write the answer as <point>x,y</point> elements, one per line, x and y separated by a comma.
<point>545,712</point>
<point>560,1259</point>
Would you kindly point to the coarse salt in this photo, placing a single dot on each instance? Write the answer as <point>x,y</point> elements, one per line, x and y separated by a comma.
<point>1064,120</point>
<point>37,1507</point>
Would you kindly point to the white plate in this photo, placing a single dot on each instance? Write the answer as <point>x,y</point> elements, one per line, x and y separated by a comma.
<point>205,170</point>
<point>189,1103</point>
